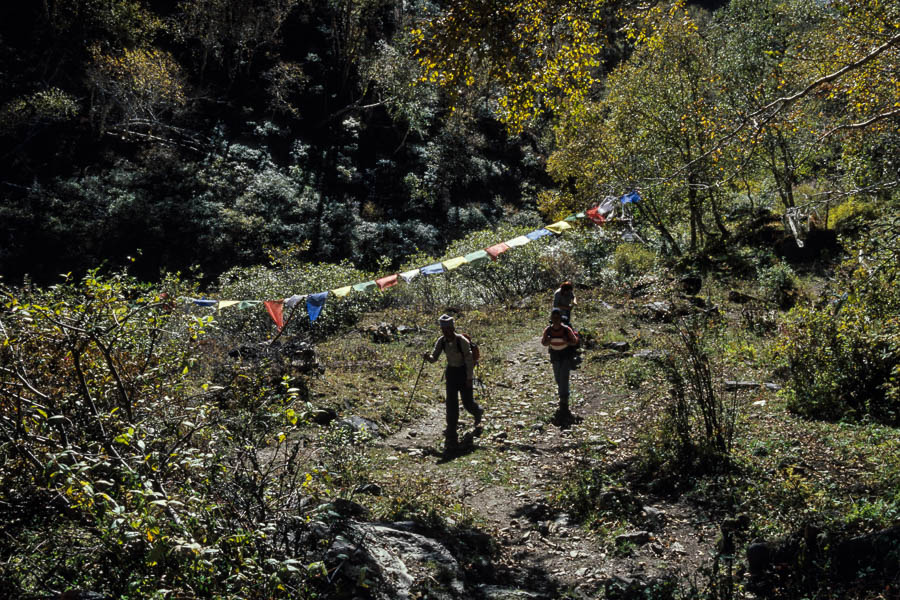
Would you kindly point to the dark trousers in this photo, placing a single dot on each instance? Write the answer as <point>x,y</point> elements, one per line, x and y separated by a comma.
<point>561,369</point>
<point>457,386</point>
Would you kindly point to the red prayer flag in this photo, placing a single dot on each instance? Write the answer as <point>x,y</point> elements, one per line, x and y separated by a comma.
<point>594,215</point>
<point>276,311</point>
<point>386,282</point>
<point>496,250</point>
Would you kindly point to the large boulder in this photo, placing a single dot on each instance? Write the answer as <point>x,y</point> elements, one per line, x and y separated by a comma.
<point>392,562</point>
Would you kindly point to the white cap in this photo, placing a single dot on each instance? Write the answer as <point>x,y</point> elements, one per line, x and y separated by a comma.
<point>445,321</point>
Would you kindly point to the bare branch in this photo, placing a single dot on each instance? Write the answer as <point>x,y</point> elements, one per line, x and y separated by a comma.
<point>861,124</point>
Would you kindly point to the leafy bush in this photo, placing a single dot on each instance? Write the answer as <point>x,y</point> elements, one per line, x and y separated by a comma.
<point>696,430</point>
<point>122,473</point>
<point>632,260</point>
<point>589,249</point>
<point>779,284</point>
<point>845,356</point>
<point>850,214</point>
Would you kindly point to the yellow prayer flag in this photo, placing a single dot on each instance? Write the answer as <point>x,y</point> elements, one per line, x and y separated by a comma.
<point>454,263</point>
<point>558,227</point>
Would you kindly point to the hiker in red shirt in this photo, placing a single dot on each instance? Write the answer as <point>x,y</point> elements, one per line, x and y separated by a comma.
<point>561,341</point>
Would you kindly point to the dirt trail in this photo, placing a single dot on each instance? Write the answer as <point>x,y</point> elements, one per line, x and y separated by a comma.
<point>510,499</point>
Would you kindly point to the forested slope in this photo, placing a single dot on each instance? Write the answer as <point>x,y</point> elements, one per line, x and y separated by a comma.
<point>203,132</point>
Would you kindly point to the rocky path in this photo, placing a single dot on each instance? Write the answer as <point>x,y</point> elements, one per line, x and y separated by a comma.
<point>509,474</point>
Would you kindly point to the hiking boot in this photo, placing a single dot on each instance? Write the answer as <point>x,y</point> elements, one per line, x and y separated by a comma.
<point>451,443</point>
<point>477,423</point>
<point>563,417</point>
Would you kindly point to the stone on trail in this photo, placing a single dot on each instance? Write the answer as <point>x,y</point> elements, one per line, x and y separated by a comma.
<point>359,424</point>
<point>396,559</point>
<point>638,538</point>
<point>617,346</point>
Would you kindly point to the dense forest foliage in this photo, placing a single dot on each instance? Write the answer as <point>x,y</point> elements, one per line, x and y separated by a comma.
<point>201,133</point>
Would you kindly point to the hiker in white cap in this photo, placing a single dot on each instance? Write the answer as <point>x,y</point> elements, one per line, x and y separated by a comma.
<point>459,375</point>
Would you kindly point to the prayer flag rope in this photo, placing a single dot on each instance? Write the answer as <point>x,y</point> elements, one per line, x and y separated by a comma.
<point>316,302</point>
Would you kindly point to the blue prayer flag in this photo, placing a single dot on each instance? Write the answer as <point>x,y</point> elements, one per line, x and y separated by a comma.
<point>314,304</point>
<point>433,269</point>
<point>539,233</point>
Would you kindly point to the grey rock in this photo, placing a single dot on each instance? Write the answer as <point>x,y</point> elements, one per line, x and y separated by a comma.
<point>359,424</point>
<point>370,488</point>
<point>654,517</point>
<point>638,538</point>
<point>741,298</point>
<point>759,557</point>
<point>648,354</point>
<point>658,311</point>
<point>733,386</point>
<point>617,346</point>
<point>496,592</point>
<point>323,416</point>
<point>394,560</point>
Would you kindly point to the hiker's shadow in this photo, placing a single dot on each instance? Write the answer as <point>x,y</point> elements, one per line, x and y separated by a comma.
<point>466,446</point>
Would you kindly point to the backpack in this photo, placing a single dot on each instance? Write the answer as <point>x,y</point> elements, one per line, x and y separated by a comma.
<point>476,351</point>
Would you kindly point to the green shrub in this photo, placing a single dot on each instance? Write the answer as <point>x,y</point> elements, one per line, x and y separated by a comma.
<point>633,260</point>
<point>124,474</point>
<point>845,356</point>
<point>696,429</point>
<point>779,284</point>
<point>589,248</point>
<point>850,214</point>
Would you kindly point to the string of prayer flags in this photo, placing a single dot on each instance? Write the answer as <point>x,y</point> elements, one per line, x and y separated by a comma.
<point>386,282</point>
<point>314,304</point>
<point>408,276</point>
<point>293,300</point>
<point>435,269</point>
<point>477,256</point>
<point>454,263</point>
<point>558,227</point>
<point>517,241</point>
<point>496,250</point>
<point>365,286</point>
<point>275,309</point>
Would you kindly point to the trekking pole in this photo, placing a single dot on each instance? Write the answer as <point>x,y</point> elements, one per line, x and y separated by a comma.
<point>484,388</point>
<point>413,394</point>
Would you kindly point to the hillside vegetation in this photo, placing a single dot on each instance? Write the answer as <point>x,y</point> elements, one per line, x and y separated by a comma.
<point>156,449</point>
